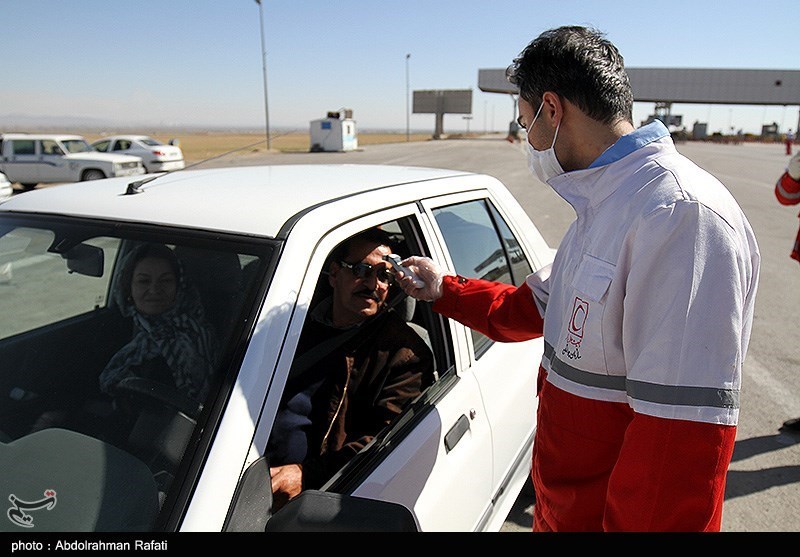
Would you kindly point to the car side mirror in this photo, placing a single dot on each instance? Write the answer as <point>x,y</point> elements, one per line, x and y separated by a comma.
<point>252,502</point>
<point>85,260</point>
<point>322,511</point>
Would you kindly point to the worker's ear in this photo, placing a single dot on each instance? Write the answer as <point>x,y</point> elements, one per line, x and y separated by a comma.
<point>553,109</point>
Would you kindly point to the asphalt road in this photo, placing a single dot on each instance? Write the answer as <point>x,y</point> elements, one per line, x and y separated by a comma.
<point>762,492</point>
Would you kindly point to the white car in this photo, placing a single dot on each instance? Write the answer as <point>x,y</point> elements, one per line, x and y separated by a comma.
<point>455,460</point>
<point>32,159</point>
<point>6,189</point>
<point>156,156</point>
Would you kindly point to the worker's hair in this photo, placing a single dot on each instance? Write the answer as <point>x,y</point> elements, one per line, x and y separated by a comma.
<point>579,64</point>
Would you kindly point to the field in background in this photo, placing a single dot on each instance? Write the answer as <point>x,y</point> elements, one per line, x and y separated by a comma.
<point>198,146</point>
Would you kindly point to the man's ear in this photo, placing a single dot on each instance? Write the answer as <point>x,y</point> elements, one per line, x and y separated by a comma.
<point>553,109</point>
<point>333,270</point>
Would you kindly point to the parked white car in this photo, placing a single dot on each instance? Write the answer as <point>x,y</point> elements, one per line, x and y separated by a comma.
<point>6,189</point>
<point>156,156</point>
<point>455,460</point>
<point>32,159</point>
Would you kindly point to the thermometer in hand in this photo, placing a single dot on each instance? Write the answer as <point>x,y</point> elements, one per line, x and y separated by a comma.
<point>394,259</point>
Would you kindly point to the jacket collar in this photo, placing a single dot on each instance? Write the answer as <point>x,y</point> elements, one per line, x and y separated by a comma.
<point>585,188</point>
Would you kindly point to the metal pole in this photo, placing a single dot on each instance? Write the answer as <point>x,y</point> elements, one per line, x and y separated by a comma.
<point>408,132</point>
<point>264,68</point>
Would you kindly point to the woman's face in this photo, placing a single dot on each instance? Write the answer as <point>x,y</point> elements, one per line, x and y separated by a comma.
<point>153,286</point>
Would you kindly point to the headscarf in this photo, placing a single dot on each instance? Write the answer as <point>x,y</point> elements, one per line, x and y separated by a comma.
<point>181,335</point>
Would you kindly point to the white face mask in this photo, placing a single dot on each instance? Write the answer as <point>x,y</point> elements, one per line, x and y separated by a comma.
<point>543,164</point>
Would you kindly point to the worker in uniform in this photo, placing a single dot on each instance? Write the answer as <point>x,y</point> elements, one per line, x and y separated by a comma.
<point>787,190</point>
<point>646,310</point>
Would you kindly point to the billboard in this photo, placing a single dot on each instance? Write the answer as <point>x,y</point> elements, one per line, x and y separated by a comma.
<point>454,101</point>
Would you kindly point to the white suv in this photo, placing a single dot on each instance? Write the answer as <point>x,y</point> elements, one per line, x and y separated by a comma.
<point>74,458</point>
<point>32,159</point>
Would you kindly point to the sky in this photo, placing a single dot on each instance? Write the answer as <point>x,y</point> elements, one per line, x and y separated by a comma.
<point>200,63</point>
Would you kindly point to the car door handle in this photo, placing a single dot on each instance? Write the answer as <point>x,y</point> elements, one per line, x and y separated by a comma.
<point>456,432</point>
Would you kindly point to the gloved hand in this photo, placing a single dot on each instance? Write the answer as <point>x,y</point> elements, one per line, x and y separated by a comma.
<point>428,271</point>
<point>794,166</point>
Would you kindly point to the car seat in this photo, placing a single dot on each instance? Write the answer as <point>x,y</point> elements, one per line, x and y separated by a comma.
<point>218,278</point>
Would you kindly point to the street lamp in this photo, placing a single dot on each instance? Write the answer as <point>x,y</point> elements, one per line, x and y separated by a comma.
<point>264,67</point>
<point>408,137</point>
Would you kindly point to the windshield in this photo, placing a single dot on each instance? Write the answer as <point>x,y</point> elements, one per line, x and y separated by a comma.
<point>76,146</point>
<point>114,343</point>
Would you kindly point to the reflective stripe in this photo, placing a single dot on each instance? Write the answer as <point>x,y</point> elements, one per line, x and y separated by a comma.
<point>789,196</point>
<point>676,395</point>
<point>616,383</point>
<point>681,395</point>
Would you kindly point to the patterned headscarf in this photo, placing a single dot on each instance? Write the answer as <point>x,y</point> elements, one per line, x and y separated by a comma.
<point>181,335</point>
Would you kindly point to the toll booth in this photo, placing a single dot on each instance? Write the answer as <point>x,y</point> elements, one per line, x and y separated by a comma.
<point>336,132</point>
<point>700,130</point>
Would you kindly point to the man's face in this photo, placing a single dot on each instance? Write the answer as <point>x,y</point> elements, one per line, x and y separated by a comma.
<point>357,298</point>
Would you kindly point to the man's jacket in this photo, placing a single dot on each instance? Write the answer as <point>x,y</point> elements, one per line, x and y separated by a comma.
<point>647,311</point>
<point>335,407</point>
<point>787,190</point>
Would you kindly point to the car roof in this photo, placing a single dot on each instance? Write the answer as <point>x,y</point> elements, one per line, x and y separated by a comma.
<point>121,136</point>
<point>254,200</point>
<point>40,136</point>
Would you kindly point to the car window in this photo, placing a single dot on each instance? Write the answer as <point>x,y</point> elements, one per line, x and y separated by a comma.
<point>50,147</point>
<point>150,141</point>
<point>23,146</point>
<point>35,280</point>
<point>115,342</point>
<point>122,145</point>
<point>76,146</point>
<point>101,145</point>
<point>481,246</point>
<point>352,379</point>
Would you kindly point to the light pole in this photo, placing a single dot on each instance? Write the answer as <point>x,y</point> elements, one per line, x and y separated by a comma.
<point>408,131</point>
<point>264,68</point>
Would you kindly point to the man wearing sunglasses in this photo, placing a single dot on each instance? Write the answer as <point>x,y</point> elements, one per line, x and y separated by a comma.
<point>359,365</point>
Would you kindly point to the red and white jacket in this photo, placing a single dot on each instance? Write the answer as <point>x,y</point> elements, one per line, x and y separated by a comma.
<point>647,311</point>
<point>787,190</point>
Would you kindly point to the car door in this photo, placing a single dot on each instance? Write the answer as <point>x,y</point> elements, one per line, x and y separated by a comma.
<point>54,165</point>
<point>437,463</point>
<point>22,162</point>
<point>480,243</point>
<point>436,459</point>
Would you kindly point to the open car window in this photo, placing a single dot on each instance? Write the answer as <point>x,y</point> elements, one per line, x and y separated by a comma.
<point>346,387</point>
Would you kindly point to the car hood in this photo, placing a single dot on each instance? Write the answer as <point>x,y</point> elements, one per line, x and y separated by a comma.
<point>98,156</point>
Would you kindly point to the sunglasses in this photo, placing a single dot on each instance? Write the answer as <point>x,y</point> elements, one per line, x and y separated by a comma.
<point>365,270</point>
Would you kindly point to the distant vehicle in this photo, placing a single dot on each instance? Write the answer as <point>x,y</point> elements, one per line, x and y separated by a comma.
<point>32,159</point>
<point>145,457</point>
<point>156,156</point>
<point>5,187</point>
